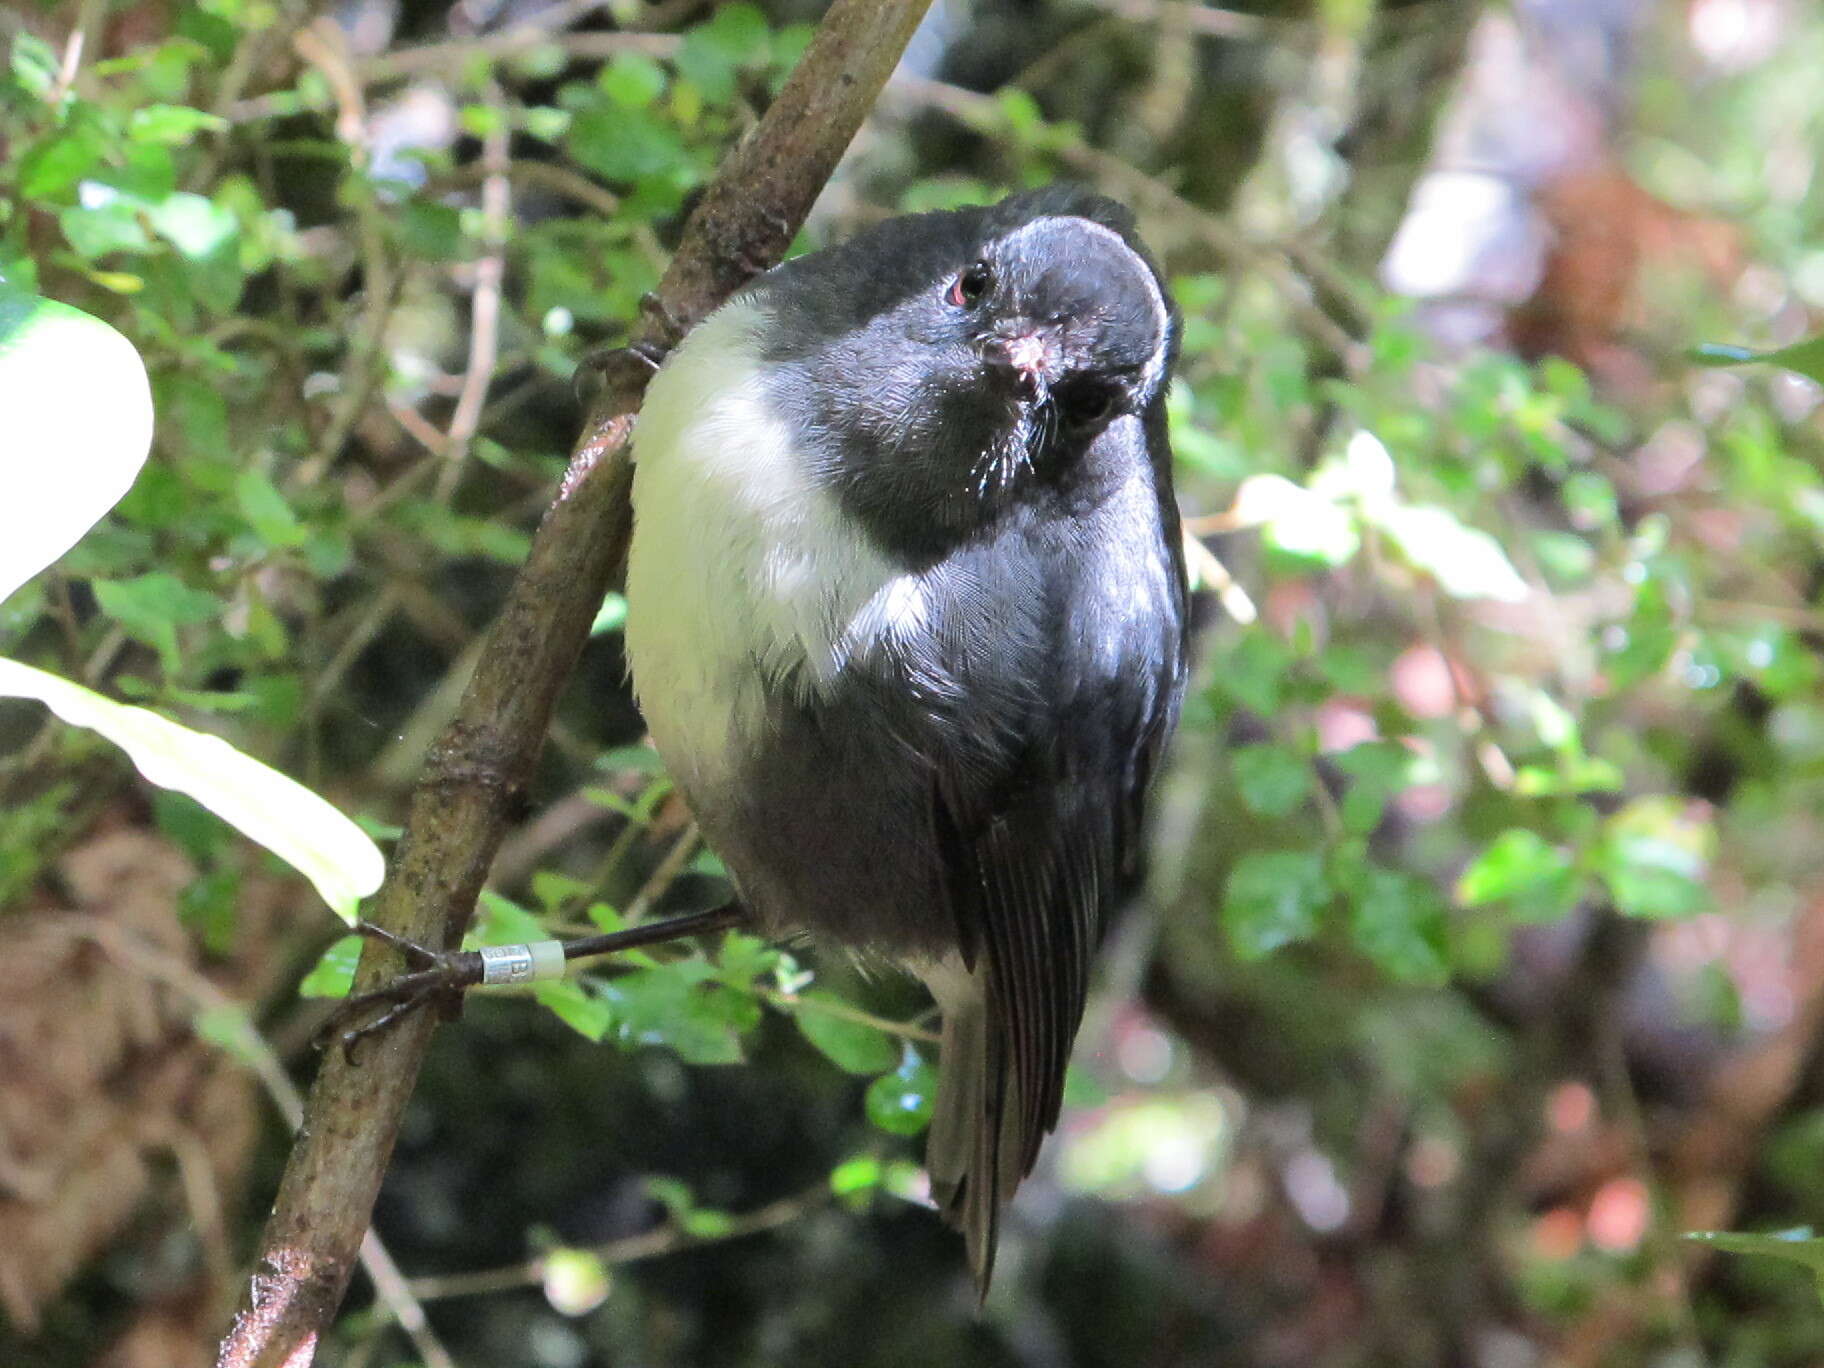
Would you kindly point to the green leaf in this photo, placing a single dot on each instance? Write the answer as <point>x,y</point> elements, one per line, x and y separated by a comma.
<point>208,905</point>
<point>900,1102</point>
<point>1273,899</point>
<point>152,607</point>
<point>743,958</point>
<point>1518,867</point>
<point>1566,558</point>
<point>430,231</point>
<point>194,225</point>
<point>1254,672</point>
<point>75,428</point>
<point>736,37</point>
<point>576,1006</point>
<point>53,167</point>
<point>1644,646</point>
<point>95,231</point>
<point>1398,921</point>
<point>674,1005</point>
<point>34,63</point>
<point>627,145</point>
<point>853,1046</point>
<point>553,889</point>
<point>863,1173</point>
<point>334,973</point>
<point>611,616</point>
<point>266,510</point>
<point>632,80</point>
<point>171,124</point>
<point>1653,855</point>
<point>1807,357</point>
<point>501,921</point>
<point>264,805</point>
<point>1378,770</point>
<point>1799,1245</point>
<point>1273,779</point>
<point>639,759</point>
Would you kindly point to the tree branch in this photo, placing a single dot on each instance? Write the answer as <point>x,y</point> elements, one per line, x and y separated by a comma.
<point>462,803</point>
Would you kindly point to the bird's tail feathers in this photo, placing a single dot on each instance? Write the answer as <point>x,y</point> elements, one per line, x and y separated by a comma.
<point>973,1150</point>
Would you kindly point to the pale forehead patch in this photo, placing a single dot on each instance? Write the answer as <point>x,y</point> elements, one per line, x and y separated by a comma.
<point>1162,313</point>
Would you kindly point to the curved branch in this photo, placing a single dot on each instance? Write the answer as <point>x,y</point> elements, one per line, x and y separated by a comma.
<point>462,803</point>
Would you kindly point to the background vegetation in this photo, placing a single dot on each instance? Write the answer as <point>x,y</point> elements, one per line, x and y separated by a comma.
<point>1484,953</point>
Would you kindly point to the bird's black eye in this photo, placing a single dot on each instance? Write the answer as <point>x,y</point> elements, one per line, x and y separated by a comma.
<point>967,289</point>
<point>1082,404</point>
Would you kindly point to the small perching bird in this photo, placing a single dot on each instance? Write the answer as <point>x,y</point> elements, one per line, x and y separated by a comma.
<point>906,617</point>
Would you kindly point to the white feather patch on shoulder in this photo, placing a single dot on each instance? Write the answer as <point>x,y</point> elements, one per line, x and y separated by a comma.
<point>743,572</point>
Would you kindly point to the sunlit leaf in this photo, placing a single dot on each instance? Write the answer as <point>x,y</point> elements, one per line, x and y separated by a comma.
<point>1296,521</point>
<point>334,972</point>
<point>1465,561</point>
<point>75,427</point>
<point>1653,856</point>
<point>281,814</point>
<point>863,1173</point>
<point>1364,471</point>
<point>173,124</point>
<point>1538,880</point>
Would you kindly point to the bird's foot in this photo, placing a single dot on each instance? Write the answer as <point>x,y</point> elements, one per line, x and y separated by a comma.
<point>434,978</point>
<point>595,371</point>
<point>440,977</point>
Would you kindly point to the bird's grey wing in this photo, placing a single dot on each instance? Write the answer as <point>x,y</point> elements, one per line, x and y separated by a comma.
<point>1037,855</point>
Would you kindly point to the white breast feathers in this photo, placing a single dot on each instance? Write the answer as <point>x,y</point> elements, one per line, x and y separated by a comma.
<point>744,573</point>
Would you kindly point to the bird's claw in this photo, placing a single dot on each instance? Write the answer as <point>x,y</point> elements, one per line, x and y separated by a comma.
<point>417,955</point>
<point>593,370</point>
<point>435,978</point>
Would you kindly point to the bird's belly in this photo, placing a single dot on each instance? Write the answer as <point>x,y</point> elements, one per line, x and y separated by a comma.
<point>750,598</point>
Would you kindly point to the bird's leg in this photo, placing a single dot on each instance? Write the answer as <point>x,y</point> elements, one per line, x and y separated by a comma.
<point>442,976</point>
<point>592,372</point>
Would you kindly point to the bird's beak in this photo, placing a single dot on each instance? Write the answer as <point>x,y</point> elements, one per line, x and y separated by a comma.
<point>1027,356</point>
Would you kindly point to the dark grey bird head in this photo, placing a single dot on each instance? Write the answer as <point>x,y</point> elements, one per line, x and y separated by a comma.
<point>944,365</point>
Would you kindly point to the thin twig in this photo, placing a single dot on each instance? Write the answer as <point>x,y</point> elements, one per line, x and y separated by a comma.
<point>668,1238</point>
<point>92,11</point>
<point>843,1011</point>
<point>484,304</point>
<point>1204,20</point>
<point>456,53</point>
<point>572,185</point>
